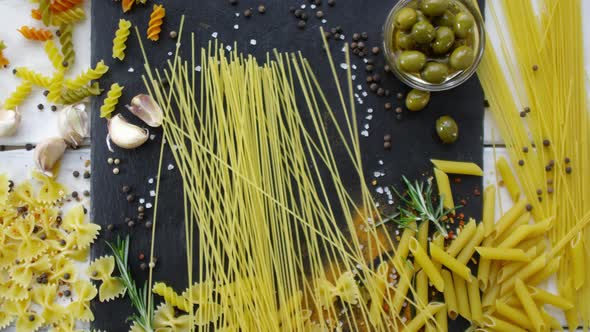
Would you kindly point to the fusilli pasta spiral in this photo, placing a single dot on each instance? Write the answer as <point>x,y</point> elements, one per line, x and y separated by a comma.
<point>68,17</point>
<point>63,5</point>
<point>87,76</point>
<point>55,86</point>
<point>32,76</point>
<point>121,36</point>
<point>156,21</point>
<point>54,54</point>
<point>36,14</point>
<point>67,47</point>
<point>3,60</point>
<point>69,96</point>
<point>45,12</point>
<point>39,34</point>
<point>18,96</point>
<point>127,5</point>
<point>171,297</point>
<point>111,100</point>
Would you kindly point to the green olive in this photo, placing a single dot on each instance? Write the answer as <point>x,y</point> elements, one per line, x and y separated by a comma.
<point>463,24</point>
<point>443,40</point>
<point>406,18</point>
<point>435,72</point>
<point>416,100</point>
<point>423,32</point>
<point>434,7</point>
<point>421,16</point>
<point>412,61</point>
<point>447,19</point>
<point>447,129</point>
<point>462,57</point>
<point>405,41</point>
<point>459,43</point>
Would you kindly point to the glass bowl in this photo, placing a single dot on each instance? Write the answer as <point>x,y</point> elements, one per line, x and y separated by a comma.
<point>413,80</point>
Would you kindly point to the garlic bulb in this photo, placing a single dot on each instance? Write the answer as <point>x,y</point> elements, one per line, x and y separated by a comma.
<point>9,122</point>
<point>125,134</point>
<point>145,107</point>
<point>73,124</point>
<point>48,153</point>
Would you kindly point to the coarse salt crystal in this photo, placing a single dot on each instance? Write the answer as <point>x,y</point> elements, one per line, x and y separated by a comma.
<point>214,35</point>
<point>151,180</point>
<point>312,6</point>
<point>359,87</point>
<point>366,126</point>
<point>237,14</point>
<point>365,133</point>
<point>228,48</point>
<point>170,53</point>
<point>131,70</point>
<point>303,6</point>
<point>236,26</point>
<point>369,117</point>
<point>379,190</point>
<point>380,162</point>
<point>148,206</point>
<point>152,137</point>
<point>152,193</point>
<point>198,68</point>
<point>364,93</point>
<point>252,41</point>
<point>370,110</point>
<point>353,66</point>
<point>353,77</point>
<point>341,37</point>
<point>324,21</point>
<point>344,66</point>
<point>170,167</point>
<point>376,174</point>
<point>141,201</point>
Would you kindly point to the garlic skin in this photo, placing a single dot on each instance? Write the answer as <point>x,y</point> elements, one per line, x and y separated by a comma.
<point>126,135</point>
<point>73,124</point>
<point>145,107</point>
<point>48,153</point>
<point>9,122</point>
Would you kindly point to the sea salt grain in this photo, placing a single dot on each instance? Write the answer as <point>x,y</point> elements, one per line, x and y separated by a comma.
<point>170,53</point>
<point>370,110</point>
<point>170,167</point>
<point>379,190</point>
<point>148,206</point>
<point>252,41</point>
<point>214,35</point>
<point>198,68</point>
<point>344,66</point>
<point>152,137</point>
<point>152,193</point>
<point>141,201</point>
<point>236,27</point>
<point>324,21</point>
<point>131,70</point>
<point>228,48</point>
<point>365,133</point>
<point>151,180</point>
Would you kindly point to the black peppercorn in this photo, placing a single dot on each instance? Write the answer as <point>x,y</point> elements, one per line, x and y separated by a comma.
<point>40,106</point>
<point>356,36</point>
<point>521,162</point>
<point>130,198</point>
<point>67,293</point>
<point>319,14</point>
<point>76,174</point>
<point>261,9</point>
<point>86,174</point>
<point>568,169</point>
<point>331,3</point>
<point>546,142</point>
<point>301,24</point>
<point>388,106</point>
<point>125,189</point>
<point>387,145</point>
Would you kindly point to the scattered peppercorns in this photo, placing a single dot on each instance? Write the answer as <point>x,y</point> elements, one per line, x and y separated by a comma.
<point>529,207</point>
<point>130,198</point>
<point>40,107</point>
<point>125,189</point>
<point>546,143</point>
<point>75,194</point>
<point>29,146</point>
<point>53,108</point>
<point>301,24</point>
<point>173,34</point>
<point>261,9</point>
<point>86,175</point>
<point>521,162</point>
<point>319,14</point>
<point>248,12</point>
<point>535,67</point>
<point>525,149</point>
<point>75,174</point>
<point>331,3</point>
<point>568,169</point>
<point>388,106</point>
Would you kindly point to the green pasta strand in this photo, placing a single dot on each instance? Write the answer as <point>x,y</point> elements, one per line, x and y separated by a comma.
<point>18,96</point>
<point>69,96</point>
<point>111,100</point>
<point>67,47</point>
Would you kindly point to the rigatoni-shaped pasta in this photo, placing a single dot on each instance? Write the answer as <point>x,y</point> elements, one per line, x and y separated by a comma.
<point>16,98</point>
<point>420,319</point>
<point>155,23</point>
<point>461,240</point>
<point>529,306</point>
<point>38,34</point>
<point>509,218</point>
<point>462,297</point>
<point>503,254</point>
<point>525,273</point>
<point>33,77</point>
<point>547,271</point>
<point>401,253</point>
<point>475,303</point>
<point>421,289</point>
<point>508,177</point>
<point>489,209</point>
<point>444,188</point>
<point>120,40</point>
<point>449,294</point>
<point>457,167</point>
<point>438,255</point>
<point>421,258</point>
<point>484,266</point>
<point>514,315</point>
<point>441,320</point>
<point>110,102</point>
<point>91,74</point>
<point>524,219</point>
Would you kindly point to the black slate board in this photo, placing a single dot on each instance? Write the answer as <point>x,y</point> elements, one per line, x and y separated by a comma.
<point>414,141</point>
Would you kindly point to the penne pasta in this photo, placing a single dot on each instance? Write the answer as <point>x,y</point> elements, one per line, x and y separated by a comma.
<point>475,303</point>
<point>444,188</point>
<point>508,178</point>
<point>422,259</point>
<point>423,234</point>
<point>578,259</point>
<point>524,219</point>
<point>497,324</point>
<point>509,218</point>
<point>514,315</point>
<point>438,241</point>
<point>525,273</point>
<point>551,321</point>
<point>548,270</point>
<point>421,290</point>
<point>401,253</point>
<point>469,248</point>
<point>483,269</point>
<point>461,270</point>
<point>517,255</point>
<point>490,296</point>
<point>462,238</point>
<point>529,306</point>
<point>457,167</point>
<point>449,294</point>
<point>544,297</point>
<point>489,209</point>
<point>525,231</point>
<point>462,297</point>
<point>510,269</point>
<point>401,291</point>
<point>441,320</point>
<point>420,319</point>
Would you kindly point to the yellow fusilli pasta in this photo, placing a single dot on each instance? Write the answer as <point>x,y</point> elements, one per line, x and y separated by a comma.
<point>33,77</point>
<point>55,86</point>
<point>171,297</point>
<point>68,17</point>
<point>156,21</point>
<point>111,100</point>
<point>18,96</point>
<point>120,40</point>
<point>87,76</point>
<point>54,54</point>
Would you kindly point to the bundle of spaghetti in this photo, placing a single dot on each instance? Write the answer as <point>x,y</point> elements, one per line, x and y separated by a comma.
<point>552,136</point>
<point>39,34</point>
<point>289,221</point>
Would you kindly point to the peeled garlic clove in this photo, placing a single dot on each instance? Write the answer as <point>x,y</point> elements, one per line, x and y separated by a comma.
<point>9,122</point>
<point>73,124</point>
<point>145,107</point>
<point>48,153</point>
<point>125,134</point>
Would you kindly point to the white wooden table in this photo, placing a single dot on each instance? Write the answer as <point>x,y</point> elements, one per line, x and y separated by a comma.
<point>37,125</point>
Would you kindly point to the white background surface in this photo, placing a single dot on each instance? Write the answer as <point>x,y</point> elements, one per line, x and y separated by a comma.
<point>38,125</point>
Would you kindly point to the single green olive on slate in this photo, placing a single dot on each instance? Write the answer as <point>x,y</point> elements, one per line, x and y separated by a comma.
<point>447,19</point>
<point>405,41</point>
<point>447,129</point>
<point>462,57</point>
<point>416,99</point>
<point>406,18</point>
<point>444,38</point>
<point>435,72</point>
<point>463,24</point>
<point>423,32</point>
<point>412,61</point>
<point>434,7</point>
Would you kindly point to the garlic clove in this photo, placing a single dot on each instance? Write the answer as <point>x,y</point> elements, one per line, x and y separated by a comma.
<point>145,107</point>
<point>73,124</point>
<point>125,134</point>
<point>9,122</point>
<point>48,153</point>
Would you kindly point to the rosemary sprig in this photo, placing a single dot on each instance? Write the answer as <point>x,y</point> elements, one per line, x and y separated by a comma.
<point>417,206</point>
<point>139,297</point>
